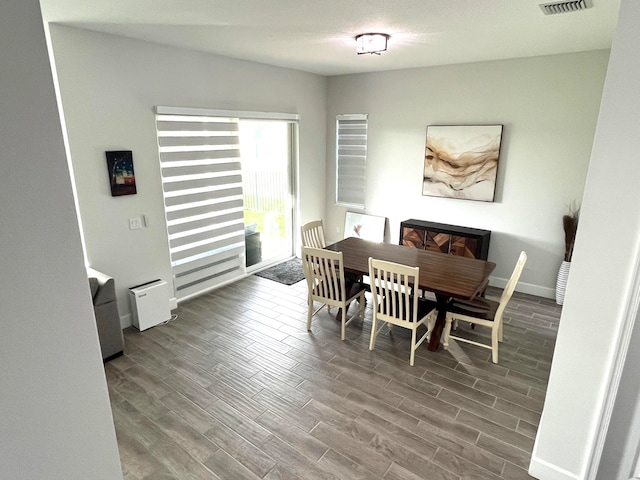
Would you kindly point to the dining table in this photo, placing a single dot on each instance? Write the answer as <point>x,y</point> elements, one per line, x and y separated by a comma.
<point>447,276</point>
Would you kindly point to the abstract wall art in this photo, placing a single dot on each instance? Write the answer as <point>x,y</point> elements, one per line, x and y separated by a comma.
<point>461,161</point>
<point>367,227</point>
<point>121,177</point>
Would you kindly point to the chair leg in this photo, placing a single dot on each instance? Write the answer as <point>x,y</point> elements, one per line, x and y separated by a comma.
<point>374,332</point>
<point>494,344</point>
<point>413,347</point>
<point>344,321</point>
<point>309,313</point>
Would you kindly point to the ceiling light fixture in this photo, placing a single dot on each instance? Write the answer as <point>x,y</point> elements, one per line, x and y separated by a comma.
<point>371,43</point>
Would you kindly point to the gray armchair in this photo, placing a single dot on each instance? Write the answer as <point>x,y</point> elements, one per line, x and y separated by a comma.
<point>105,307</point>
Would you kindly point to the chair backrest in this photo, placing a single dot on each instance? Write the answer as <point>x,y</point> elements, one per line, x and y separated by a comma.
<point>392,285</point>
<point>511,284</point>
<point>324,272</point>
<point>312,234</point>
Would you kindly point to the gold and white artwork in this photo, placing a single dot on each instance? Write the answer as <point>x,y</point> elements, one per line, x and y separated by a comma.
<point>461,161</point>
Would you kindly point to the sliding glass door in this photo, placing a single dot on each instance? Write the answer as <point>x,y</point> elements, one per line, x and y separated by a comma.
<point>227,187</point>
<point>267,157</point>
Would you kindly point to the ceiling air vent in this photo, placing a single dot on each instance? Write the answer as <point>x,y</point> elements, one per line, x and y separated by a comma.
<point>564,7</point>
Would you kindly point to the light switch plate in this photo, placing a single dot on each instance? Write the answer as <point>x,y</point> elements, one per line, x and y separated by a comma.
<point>135,223</point>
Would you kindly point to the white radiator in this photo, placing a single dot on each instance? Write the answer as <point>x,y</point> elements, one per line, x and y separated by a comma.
<point>150,304</point>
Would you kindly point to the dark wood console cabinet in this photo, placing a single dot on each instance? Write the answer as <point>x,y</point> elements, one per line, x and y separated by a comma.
<point>450,239</point>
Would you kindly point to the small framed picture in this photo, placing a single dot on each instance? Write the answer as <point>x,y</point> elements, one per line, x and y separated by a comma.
<point>121,176</point>
<point>367,227</point>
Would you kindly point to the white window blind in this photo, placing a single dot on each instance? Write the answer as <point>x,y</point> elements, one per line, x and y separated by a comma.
<point>202,186</point>
<point>351,159</point>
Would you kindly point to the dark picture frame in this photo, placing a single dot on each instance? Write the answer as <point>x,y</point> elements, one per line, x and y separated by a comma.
<point>122,178</point>
<point>461,161</point>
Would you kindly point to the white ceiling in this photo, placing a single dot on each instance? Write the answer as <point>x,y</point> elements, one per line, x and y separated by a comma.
<point>318,35</point>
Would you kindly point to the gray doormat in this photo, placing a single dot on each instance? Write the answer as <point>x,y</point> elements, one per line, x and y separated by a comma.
<point>288,272</point>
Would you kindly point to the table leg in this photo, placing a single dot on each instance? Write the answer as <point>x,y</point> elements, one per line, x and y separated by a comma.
<point>434,341</point>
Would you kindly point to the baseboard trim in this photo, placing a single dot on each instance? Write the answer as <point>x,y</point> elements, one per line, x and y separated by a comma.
<point>529,288</point>
<point>111,357</point>
<point>540,469</point>
<point>126,320</point>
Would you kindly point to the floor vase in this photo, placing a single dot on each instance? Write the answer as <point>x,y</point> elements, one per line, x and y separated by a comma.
<point>561,283</point>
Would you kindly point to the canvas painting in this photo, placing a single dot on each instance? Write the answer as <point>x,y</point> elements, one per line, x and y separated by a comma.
<point>367,227</point>
<point>121,177</point>
<point>461,161</point>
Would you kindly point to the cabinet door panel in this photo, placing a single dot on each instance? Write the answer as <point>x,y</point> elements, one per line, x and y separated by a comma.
<point>438,242</point>
<point>464,246</point>
<point>450,239</point>
<point>412,237</point>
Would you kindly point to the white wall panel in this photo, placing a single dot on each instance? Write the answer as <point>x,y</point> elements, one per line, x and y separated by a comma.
<point>601,298</point>
<point>55,417</point>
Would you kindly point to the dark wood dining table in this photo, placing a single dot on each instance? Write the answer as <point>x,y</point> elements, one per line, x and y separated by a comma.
<point>448,276</point>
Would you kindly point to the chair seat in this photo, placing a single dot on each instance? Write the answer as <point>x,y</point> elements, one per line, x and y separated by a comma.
<point>353,289</point>
<point>425,306</point>
<point>479,308</point>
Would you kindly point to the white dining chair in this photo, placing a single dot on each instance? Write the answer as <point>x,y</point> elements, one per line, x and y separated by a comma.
<point>394,303</point>
<point>312,234</point>
<point>483,311</point>
<point>324,271</point>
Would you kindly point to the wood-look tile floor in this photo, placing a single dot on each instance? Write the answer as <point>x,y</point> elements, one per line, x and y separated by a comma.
<point>236,388</point>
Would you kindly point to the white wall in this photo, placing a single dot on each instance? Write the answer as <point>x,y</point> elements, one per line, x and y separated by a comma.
<point>623,435</point>
<point>55,419</point>
<point>548,106</point>
<point>109,86</point>
<point>602,293</point>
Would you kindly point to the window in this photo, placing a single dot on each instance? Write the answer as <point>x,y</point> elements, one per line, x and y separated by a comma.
<point>351,159</point>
